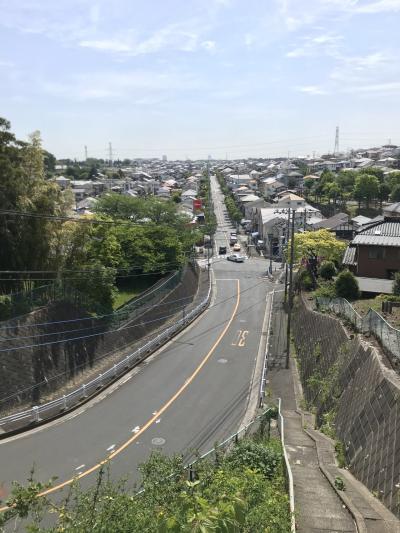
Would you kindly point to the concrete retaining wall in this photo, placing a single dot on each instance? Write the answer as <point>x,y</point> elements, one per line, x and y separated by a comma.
<point>42,373</point>
<point>365,395</point>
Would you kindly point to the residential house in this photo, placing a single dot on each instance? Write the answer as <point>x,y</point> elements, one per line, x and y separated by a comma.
<point>375,250</point>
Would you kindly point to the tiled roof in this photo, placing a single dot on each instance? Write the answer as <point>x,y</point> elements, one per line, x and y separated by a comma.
<point>384,233</point>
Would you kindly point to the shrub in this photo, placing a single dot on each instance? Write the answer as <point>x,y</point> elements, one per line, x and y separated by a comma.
<point>5,307</point>
<point>396,284</point>
<point>346,285</point>
<point>326,290</point>
<point>304,280</point>
<point>327,270</point>
<point>257,456</point>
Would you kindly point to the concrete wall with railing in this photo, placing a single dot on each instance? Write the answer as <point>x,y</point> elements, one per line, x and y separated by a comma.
<point>363,392</point>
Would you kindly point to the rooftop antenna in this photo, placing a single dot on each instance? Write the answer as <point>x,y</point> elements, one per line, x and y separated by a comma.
<point>336,150</point>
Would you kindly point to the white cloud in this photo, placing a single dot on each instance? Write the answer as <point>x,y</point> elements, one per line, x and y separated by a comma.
<point>312,89</point>
<point>381,88</point>
<point>208,45</point>
<point>108,45</point>
<point>134,85</point>
<point>322,44</point>
<point>297,52</point>
<point>377,7</point>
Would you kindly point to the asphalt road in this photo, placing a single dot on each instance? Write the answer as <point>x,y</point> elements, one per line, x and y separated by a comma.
<point>190,394</point>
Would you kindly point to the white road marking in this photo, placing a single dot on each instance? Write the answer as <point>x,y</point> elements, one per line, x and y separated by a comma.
<point>158,421</point>
<point>80,467</point>
<point>135,429</point>
<point>154,413</point>
<point>110,448</point>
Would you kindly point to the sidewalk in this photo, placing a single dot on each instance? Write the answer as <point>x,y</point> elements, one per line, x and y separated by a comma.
<point>320,507</point>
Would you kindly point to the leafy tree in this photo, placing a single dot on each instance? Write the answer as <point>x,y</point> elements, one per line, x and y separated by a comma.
<point>321,244</point>
<point>332,191</point>
<point>384,191</point>
<point>395,194</point>
<point>327,270</point>
<point>346,180</point>
<point>366,188</point>
<point>308,185</point>
<point>26,243</point>
<point>346,285</point>
<point>377,172</point>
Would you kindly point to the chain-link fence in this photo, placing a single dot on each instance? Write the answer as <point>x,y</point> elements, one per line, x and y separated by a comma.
<point>372,323</point>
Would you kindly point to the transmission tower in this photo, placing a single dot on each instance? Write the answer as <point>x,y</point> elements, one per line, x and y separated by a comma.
<point>336,150</point>
<point>110,154</point>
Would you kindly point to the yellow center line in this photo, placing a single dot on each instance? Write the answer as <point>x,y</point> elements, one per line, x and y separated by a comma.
<point>153,418</point>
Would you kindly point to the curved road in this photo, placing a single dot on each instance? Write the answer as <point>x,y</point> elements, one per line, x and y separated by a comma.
<point>191,393</point>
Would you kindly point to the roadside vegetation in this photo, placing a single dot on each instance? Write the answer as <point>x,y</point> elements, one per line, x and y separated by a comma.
<point>133,237</point>
<point>242,491</point>
<point>233,211</point>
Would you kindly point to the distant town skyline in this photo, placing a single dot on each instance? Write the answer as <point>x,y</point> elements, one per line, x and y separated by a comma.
<point>189,79</point>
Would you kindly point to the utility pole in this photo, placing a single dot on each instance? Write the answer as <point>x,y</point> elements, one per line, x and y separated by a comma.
<point>289,319</point>
<point>287,259</point>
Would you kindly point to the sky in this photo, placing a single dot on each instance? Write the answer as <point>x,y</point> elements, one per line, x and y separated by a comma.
<point>192,78</point>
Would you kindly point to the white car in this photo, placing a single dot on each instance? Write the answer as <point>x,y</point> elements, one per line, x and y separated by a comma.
<point>236,258</point>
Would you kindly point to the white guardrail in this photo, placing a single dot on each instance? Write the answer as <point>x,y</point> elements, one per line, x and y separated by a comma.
<point>281,427</point>
<point>56,407</point>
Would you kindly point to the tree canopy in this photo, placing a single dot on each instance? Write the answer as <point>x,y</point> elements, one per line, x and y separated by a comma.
<point>322,244</point>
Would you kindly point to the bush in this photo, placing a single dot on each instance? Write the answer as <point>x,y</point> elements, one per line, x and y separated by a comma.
<point>327,270</point>
<point>346,286</point>
<point>305,280</point>
<point>257,456</point>
<point>396,284</point>
<point>5,307</point>
<point>326,290</point>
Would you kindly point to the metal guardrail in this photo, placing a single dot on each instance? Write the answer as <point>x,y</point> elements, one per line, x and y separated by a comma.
<point>372,323</point>
<point>267,347</point>
<point>56,407</point>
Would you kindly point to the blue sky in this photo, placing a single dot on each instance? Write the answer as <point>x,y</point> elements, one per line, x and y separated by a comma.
<point>190,78</point>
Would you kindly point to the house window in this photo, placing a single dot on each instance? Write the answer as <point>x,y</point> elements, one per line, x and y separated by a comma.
<point>376,252</point>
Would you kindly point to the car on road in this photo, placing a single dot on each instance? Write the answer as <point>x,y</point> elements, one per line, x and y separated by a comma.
<point>222,250</point>
<point>236,258</point>
<point>236,247</point>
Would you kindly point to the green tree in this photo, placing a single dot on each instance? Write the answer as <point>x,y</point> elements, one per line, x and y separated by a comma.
<point>346,285</point>
<point>384,191</point>
<point>366,188</point>
<point>26,242</point>
<point>346,180</point>
<point>321,243</point>
<point>395,194</point>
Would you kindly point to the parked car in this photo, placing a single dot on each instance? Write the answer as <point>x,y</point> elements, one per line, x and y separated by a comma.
<point>236,258</point>
<point>236,247</point>
<point>222,250</point>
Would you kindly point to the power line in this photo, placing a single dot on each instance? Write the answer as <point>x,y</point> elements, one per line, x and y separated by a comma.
<point>105,332</point>
<point>152,306</point>
<point>6,212</point>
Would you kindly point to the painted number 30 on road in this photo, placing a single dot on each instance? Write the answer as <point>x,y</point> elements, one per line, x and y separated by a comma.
<point>240,338</point>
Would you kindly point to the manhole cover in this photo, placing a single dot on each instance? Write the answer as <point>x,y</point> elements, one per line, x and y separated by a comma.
<point>222,361</point>
<point>158,441</point>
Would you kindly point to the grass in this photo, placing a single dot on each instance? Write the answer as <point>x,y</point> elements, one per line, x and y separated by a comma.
<point>127,290</point>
